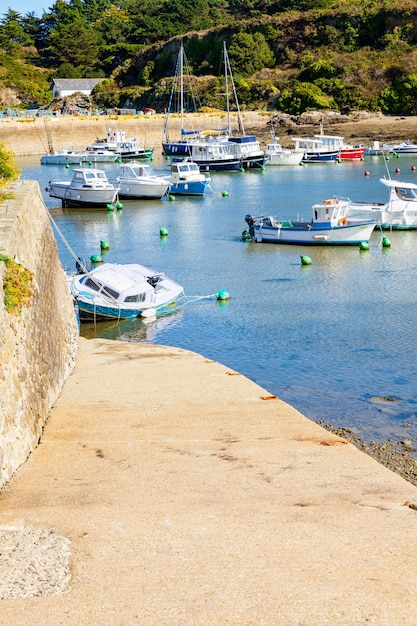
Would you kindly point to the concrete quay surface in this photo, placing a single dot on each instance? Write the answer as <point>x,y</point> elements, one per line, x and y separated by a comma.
<point>190,496</point>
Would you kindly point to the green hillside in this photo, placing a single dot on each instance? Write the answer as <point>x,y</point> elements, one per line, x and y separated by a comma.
<point>288,56</point>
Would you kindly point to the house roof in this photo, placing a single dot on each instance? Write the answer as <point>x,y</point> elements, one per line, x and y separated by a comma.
<point>76,84</point>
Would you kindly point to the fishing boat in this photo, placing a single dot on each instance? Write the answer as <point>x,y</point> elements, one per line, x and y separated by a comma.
<point>346,152</point>
<point>138,180</point>
<point>328,226</point>
<point>187,180</point>
<point>117,291</point>
<point>126,148</point>
<point>398,213</point>
<point>87,187</point>
<point>277,155</point>
<point>314,150</point>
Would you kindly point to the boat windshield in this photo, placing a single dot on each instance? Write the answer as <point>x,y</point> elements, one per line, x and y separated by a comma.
<point>406,194</point>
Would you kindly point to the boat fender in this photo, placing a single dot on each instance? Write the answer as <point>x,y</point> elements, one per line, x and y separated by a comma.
<point>332,201</point>
<point>342,221</point>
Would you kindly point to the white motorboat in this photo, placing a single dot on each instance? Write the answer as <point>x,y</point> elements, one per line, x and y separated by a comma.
<point>125,147</point>
<point>398,213</point>
<point>376,149</point>
<point>63,157</point>
<point>405,147</point>
<point>277,155</point>
<point>138,180</point>
<point>113,291</point>
<point>87,187</point>
<point>95,154</point>
<point>328,226</point>
<point>187,180</point>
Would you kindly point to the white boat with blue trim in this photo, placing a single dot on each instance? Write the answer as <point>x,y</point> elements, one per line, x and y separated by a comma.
<point>122,291</point>
<point>187,180</point>
<point>328,226</point>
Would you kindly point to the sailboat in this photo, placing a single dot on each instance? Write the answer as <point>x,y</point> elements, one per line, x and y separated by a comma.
<point>201,147</point>
<point>245,147</point>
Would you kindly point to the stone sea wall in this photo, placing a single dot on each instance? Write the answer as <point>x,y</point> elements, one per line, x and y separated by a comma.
<point>37,347</point>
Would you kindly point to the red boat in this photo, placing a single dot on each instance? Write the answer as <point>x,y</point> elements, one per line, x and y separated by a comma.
<point>349,153</point>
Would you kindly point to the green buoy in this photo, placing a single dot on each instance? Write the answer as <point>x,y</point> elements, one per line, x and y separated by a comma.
<point>96,258</point>
<point>110,207</point>
<point>363,245</point>
<point>222,295</point>
<point>305,260</point>
<point>386,243</point>
<point>104,245</point>
<point>163,232</point>
<point>225,194</point>
<point>245,236</point>
<point>119,206</point>
<point>171,197</point>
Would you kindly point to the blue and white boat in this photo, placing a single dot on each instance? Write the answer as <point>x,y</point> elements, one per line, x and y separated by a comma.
<point>187,180</point>
<point>315,150</point>
<point>328,226</point>
<point>113,291</point>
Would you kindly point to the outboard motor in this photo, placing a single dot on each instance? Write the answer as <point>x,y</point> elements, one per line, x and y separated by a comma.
<point>154,280</point>
<point>250,220</point>
<point>81,266</point>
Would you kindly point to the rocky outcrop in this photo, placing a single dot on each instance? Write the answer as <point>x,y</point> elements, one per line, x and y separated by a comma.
<point>39,344</point>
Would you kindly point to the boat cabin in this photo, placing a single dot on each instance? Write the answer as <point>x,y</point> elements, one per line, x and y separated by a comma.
<point>122,286</point>
<point>89,178</point>
<point>136,170</point>
<point>182,171</point>
<point>330,213</point>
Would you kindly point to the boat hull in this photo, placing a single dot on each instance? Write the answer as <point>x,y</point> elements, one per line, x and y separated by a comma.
<point>293,158</point>
<point>320,157</point>
<point>82,197</point>
<point>142,190</point>
<point>351,154</point>
<point>176,148</point>
<point>193,188</point>
<point>89,311</point>
<point>303,234</point>
<point>62,159</point>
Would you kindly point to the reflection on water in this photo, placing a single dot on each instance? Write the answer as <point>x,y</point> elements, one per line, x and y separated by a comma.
<point>332,338</point>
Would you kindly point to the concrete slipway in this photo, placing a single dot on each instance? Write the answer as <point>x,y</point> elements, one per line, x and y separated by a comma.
<point>190,496</point>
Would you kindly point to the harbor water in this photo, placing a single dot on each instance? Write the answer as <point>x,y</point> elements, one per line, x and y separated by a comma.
<point>335,339</point>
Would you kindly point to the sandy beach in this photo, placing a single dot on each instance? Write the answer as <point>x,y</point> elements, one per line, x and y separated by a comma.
<point>169,489</point>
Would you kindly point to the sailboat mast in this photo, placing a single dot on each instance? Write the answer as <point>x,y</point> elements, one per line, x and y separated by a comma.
<point>226,77</point>
<point>228,71</point>
<point>182,86</point>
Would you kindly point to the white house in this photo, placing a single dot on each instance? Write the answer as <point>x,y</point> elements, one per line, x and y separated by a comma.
<point>62,87</point>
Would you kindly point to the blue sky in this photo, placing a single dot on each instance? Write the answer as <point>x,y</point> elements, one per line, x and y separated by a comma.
<point>25,6</point>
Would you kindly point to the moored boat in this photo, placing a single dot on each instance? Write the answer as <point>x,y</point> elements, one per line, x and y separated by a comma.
<point>328,226</point>
<point>63,157</point>
<point>277,155</point>
<point>126,148</point>
<point>87,187</point>
<point>138,180</point>
<point>187,180</point>
<point>346,152</point>
<point>405,147</point>
<point>314,150</point>
<point>398,213</point>
<point>116,291</point>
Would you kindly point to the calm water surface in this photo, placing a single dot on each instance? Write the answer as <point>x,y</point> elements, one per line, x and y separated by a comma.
<point>337,339</point>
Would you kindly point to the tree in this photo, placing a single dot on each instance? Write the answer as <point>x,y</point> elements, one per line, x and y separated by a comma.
<point>250,53</point>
